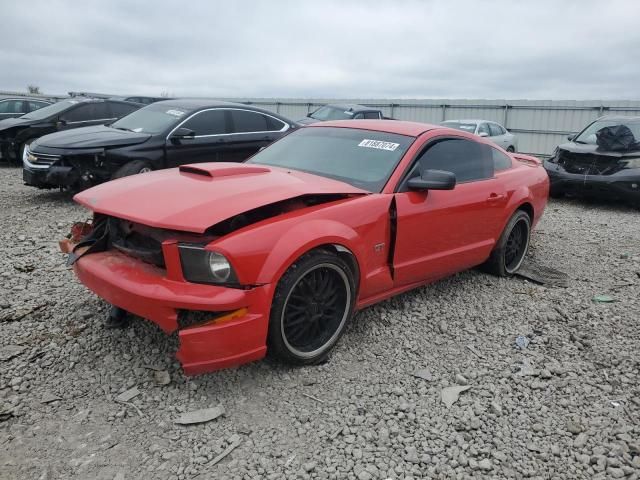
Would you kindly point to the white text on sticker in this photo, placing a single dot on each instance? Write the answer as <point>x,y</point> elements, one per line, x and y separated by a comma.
<point>175,113</point>
<point>380,145</point>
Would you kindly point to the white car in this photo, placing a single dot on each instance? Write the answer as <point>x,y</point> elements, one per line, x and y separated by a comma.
<point>485,128</point>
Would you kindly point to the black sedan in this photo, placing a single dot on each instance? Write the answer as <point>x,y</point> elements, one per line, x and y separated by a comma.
<point>602,160</point>
<point>161,135</point>
<point>17,133</point>
<point>16,107</point>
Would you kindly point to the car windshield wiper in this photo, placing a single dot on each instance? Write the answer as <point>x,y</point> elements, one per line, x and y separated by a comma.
<point>580,141</point>
<point>123,129</point>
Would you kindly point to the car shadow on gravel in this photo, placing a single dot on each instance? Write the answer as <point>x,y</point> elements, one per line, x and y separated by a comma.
<point>594,203</point>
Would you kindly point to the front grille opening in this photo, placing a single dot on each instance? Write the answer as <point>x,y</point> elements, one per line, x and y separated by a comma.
<point>134,240</point>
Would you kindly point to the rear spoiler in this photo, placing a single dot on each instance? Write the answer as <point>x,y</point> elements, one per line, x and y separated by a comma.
<point>527,159</point>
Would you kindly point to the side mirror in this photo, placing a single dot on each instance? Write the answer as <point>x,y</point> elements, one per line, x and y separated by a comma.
<point>183,133</point>
<point>571,137</point>
<point>483,134</point>
<point>433,180</point>
<point>309,114</point>
<point>61,123</point>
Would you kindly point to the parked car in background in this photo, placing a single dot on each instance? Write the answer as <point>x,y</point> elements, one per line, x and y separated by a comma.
<point>602,160</point>
<point>349,111</point>
<point>145,100</point>
<point>18,106</point>
<point>485,128</point>
<point>17,133</point>
<point>161,135</point>
<point>276,253</point>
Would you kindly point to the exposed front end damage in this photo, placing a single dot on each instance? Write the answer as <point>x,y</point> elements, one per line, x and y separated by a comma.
<point>139,269</point>
<point>586,170</point>
<point>77,171</point>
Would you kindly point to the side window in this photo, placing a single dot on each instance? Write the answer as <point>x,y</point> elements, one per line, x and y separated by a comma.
<point>484,128</point>
<point>245,121</point>
<point>273,124</point>
<point>87,112</point>
<point>36,105</point>
<point>11,106</point>
<point>358,116</point>
<point>496,129</point>
<point>209,122</point>
<point>469,160</point>
<point>500,160</point>
<point>372,116</point>
<point>119,110</point>
<point>80,113</point>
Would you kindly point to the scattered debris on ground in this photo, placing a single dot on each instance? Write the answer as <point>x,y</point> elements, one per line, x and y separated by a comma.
<point>566,406</point>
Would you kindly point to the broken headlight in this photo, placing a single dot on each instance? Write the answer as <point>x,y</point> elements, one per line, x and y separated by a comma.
<point>204,266</point>
<point>632,163</point>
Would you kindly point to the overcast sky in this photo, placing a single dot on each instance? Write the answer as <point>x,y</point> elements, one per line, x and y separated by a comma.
<point>569,49</point>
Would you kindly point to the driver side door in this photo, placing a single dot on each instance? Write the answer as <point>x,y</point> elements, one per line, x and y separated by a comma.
<point>441,232</point>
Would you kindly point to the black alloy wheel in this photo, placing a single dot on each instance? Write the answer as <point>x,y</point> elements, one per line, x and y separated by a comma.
<point>313,302</point>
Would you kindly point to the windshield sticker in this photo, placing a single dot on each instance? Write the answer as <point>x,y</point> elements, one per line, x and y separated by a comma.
<point>137,130</point>
<point>175,113</point>
<point>349,113</point>
<point>378,144</point>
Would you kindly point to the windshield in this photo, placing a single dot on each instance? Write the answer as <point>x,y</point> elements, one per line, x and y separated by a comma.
<point>50,110</point>
<point>588,135</point>
<point>331,113</point>
<point>465,127</point>
<point>362,158</point>
<point>153,119</point>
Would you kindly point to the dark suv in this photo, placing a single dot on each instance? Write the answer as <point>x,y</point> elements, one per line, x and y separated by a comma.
<point>16,107</point>
<point>16,133</point>
<point>161,135</point>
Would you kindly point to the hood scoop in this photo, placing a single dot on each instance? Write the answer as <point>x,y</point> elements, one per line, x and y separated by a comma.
<point>215,170</point>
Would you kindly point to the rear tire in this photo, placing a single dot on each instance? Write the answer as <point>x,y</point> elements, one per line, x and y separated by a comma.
<point>133,167</point>
<point>509,252</point>
<point>510,149</point>
<point>312,304</point>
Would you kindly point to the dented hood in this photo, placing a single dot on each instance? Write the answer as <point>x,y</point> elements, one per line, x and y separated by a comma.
<point>195,197</point>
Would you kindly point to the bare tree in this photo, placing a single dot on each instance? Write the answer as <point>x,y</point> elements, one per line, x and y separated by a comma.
<point>33,89</point>
<point>164,94</point>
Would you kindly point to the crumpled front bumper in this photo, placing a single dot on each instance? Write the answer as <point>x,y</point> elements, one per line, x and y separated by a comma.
<point>145,290</point>
<point>624,184</point>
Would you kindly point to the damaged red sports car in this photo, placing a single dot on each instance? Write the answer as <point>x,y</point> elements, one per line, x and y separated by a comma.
<point>274,255</point>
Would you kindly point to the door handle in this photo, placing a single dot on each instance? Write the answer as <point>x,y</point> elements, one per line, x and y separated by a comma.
<point>496,197</point>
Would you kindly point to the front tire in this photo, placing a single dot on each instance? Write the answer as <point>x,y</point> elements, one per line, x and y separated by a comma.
<point>313,301</point>
<point>133,167</point>
<point>509,253</point>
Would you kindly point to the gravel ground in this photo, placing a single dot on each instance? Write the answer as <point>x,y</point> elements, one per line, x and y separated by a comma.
<point>567,406</point>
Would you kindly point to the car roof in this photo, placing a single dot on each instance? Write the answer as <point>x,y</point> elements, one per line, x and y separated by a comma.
<point>622,118</point>
<point>35,99</point>
<point>198,103</point>
<point>400,127</point>
<point>471,120</point>
<point>350,106</point>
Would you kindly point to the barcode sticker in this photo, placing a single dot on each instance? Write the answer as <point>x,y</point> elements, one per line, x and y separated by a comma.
<point>380,145</point>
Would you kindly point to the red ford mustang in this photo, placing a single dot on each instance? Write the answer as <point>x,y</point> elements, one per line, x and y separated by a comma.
<point>274,255</point>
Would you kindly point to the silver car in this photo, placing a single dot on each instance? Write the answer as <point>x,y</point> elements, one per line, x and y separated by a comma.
<point>485,128</point>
